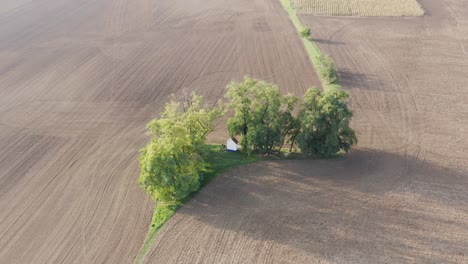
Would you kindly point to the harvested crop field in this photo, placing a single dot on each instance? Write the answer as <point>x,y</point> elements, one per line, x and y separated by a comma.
<point>401,197</point>
<point>366,8</point>
<point>79,80</point>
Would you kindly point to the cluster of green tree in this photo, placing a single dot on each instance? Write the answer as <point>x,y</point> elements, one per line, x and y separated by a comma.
<point>262,116</point>
<point>264,119</point>
<point>327,71</point>
<point>323,123</point>
<point>173,163</point>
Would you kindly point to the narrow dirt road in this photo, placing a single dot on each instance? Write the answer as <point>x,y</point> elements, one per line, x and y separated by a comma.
<point>401,197</point>
<point>78,82</point>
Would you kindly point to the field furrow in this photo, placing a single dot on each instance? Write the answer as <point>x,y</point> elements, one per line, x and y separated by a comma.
<point>79,80</point>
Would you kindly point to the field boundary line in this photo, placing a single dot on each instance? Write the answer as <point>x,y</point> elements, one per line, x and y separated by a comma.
<point>310,46</point>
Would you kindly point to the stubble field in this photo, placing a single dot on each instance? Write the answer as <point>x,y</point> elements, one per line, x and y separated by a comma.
<point>365,8</point>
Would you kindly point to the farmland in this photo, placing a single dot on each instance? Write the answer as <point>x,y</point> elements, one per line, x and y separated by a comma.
<point>79,80</point>
<point>400,198</point>
<point>366,8</point>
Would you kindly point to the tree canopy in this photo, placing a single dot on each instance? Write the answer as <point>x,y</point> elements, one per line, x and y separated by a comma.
<point>262,116</point>
<point>324,120</point>
<point>305,33</point>
<point>172,162</point>
<point>264,119</point>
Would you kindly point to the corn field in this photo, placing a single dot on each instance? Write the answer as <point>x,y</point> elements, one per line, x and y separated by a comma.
<point>366,8</point>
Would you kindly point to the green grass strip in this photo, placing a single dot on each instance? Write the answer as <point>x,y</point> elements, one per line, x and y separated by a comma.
<point>218,161</point>
<point>311,47</point>
<point>162,213</point>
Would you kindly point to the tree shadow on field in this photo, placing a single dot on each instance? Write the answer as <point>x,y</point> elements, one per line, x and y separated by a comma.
<point>368,207</point>
<point>350,79</point>
<point>328,42</point>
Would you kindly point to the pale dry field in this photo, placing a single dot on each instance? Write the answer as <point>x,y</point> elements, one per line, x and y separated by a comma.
<point>79,80</point>
<point>400,197</point>
<point>365,8</point>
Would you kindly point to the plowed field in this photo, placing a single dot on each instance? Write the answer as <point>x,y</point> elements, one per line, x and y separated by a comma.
<point>401,197</point>
<point>78,82</point>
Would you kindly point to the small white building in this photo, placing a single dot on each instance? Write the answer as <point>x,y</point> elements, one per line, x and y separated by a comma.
<point>231,144</point>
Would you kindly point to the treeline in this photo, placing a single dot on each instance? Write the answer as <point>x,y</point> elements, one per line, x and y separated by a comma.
<point>323,63</point>
<point>173,163</point>
<point>264,119</point>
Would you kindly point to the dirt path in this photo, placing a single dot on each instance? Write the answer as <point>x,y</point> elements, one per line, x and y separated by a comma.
<point>78,82</point>
<point>400,198</point>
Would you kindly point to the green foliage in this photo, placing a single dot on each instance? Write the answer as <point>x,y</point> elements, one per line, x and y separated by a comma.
<point>305,33</point>
<point>170,168</point>
<point>288,123</point>
<point>327,72</point>
<point>161,214</point>
<point>262,116</point>
<point>322,126</point>
<point>172,162</point>
<point>322,63</point>
<point>177,161</point>
<point>190,115</point>
<point>217,160</point>
<point>324,120</point>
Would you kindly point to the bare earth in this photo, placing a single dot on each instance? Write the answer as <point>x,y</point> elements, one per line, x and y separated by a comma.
<point>401,197</point>
<point>78,82</point>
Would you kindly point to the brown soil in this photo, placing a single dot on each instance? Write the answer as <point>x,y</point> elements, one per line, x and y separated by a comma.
<point>401,197</point>
<point>78,82</point>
